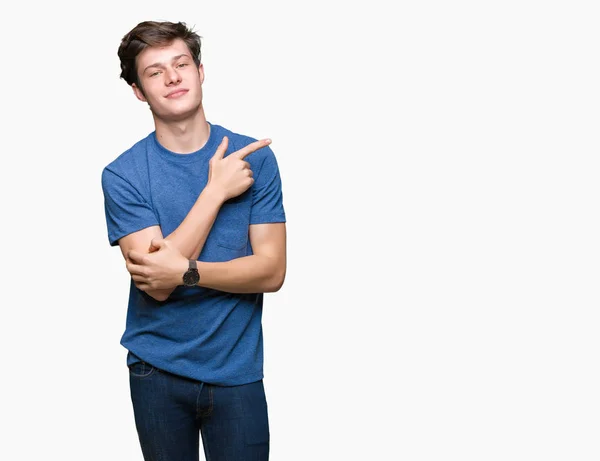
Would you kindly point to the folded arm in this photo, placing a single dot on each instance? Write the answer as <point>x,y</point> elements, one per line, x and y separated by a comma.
<point>262,272</point>
<point>188,238</point>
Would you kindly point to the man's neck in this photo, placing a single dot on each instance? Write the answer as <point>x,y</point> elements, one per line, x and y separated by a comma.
<point>183,137</point>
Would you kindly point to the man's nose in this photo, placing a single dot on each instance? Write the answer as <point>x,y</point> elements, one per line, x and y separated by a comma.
<point>172,76</point>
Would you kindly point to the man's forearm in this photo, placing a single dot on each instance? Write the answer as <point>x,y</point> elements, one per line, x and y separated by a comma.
<point>249,274</point>
<point>190,236</point>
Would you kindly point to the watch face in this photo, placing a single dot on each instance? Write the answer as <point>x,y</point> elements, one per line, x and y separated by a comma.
<point>191,277</point>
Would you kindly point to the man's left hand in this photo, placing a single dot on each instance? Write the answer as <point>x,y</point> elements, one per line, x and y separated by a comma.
<point>162,268</point>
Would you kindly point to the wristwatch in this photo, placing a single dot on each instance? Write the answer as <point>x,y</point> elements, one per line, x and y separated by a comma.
<point>191,277</point>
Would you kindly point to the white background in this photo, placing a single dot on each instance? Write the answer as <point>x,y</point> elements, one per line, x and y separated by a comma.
<point>440,169</point>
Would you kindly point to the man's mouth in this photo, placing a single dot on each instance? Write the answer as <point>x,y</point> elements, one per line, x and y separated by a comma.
<point>176,93</point>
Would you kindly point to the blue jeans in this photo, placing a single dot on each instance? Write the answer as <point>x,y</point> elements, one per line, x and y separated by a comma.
<point>172,412</point>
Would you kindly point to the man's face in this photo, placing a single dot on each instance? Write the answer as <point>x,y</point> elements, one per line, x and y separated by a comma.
<point>171,81</point>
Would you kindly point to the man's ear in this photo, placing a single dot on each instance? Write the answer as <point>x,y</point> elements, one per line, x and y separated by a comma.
<point>138,92</point>
<point>201,73</point>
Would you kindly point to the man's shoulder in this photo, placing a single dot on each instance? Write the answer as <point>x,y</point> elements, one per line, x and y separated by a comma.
<point>129,160</point>
<point>234,136</point>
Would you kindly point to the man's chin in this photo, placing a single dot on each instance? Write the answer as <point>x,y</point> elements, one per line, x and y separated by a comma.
<point>177,115</point>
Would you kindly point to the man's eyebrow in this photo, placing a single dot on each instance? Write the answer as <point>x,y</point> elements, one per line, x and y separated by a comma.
<point>175,58</point>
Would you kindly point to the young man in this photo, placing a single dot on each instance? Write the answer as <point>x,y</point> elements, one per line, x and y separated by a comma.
<point>198,214</point>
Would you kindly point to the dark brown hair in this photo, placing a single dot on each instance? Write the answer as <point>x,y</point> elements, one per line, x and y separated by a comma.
<point>153,33</point>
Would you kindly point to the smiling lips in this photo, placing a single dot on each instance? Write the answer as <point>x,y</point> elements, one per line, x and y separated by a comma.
<point>176,93</point>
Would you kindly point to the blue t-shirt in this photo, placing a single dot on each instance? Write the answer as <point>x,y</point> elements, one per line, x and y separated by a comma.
<point>200,333</point>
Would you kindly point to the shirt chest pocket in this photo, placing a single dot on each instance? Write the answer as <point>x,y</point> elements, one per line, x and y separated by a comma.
<point>228,238</point>
<point>232,236</point>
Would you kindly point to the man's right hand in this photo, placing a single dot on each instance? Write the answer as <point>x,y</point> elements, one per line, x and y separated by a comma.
<point>231,176</point>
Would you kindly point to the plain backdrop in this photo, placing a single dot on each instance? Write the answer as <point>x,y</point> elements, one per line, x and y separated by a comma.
<point>440,169</point>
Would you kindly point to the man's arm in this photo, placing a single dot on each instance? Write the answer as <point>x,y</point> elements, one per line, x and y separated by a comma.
<point>228,177</point>
<point>189,237</point>
<point>262,272</point>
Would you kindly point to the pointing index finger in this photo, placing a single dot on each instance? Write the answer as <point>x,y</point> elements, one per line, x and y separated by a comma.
<point>222,148</point>
<point>253,147</point>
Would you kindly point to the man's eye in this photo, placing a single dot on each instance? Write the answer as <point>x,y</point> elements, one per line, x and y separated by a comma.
<point>154,73</point>
<point>182,64</point>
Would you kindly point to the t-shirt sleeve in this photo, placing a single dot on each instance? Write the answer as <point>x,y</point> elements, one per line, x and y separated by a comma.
<point>267,196</point>
<point>125,208</point>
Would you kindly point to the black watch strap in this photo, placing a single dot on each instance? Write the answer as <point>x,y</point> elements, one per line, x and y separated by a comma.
<point>191,276</point>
